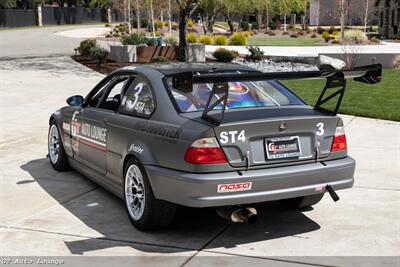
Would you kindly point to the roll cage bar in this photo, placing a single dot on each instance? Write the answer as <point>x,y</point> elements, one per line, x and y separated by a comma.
<point>335,85</point>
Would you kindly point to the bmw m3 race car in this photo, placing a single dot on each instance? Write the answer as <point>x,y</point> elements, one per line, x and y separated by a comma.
<point>206,135</point>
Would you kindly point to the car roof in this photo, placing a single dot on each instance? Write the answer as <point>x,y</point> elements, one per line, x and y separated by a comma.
<point>174,68</point>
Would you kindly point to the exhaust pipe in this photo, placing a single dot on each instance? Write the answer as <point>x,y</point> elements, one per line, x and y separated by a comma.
<point>238,214</point>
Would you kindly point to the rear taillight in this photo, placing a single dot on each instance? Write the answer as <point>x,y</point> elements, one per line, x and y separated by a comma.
<point>339,140</point>
<point>205,151</point>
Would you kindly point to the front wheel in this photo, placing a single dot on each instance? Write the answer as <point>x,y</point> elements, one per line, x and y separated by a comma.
<point>144,210</point>
<point>58,157</point>
<point>301,202</point>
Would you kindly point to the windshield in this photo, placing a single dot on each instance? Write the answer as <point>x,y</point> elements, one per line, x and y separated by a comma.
<point>243,94</point>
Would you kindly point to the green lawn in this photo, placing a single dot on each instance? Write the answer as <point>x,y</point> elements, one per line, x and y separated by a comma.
<point>380,101</point>
<point>285,41</point>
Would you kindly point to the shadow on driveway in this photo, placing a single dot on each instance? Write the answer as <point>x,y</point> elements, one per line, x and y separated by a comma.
<point>105,214</point>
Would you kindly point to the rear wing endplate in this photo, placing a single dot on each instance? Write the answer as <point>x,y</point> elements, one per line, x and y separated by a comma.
<point>335,85</point>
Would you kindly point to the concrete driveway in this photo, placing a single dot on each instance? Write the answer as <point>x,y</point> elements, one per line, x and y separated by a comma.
<point>46,41</point>
<point>44,212</point>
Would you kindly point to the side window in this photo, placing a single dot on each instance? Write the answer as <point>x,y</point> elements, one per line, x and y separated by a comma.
<point>114,94</point>
<point>138,100</point>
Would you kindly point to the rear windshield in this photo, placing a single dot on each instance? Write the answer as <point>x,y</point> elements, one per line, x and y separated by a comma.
<point>243,94</point>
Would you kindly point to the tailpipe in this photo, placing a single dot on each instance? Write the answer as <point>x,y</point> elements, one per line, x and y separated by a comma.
<point>238,214</point>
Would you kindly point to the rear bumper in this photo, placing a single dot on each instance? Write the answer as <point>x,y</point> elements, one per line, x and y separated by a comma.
<point>200,190</point>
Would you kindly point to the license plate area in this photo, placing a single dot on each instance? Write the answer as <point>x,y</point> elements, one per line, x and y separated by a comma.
<point>287,147</point>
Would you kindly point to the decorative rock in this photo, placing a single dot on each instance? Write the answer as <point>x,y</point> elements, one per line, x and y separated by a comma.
<point>271,66</point>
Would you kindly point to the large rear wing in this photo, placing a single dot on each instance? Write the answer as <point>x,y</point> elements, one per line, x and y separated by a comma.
<point>334,88</point>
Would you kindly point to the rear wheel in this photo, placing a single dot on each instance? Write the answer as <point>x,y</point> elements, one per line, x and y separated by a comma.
<point>145,211</point>
<point>58,157</point>
<point>301,202</point>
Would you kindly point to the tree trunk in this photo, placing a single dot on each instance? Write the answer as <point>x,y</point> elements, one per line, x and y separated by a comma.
<point>366,15</point>
<point>169,18</point>
<point>284,23</point>
<point>259,19</point>
<point>137,16</point>
<point>204,23</point>
<point>230,24</point>
<point>152,18</point>
<point>182,49</point>
<point>129,17</point>
<point>342,18</point>
<point>210,24</point>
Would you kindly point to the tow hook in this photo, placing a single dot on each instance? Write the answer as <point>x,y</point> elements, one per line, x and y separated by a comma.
<point>238,214</point>
<point>332,193</point>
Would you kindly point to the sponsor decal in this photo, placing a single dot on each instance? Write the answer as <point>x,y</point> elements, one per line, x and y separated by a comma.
<point>136,149</point>
<point>88,134</point>
<point>158,129</point>
<point>237,187</point>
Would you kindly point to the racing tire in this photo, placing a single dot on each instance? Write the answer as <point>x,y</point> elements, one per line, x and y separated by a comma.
<point>301,202</point>
<point>144,210</point>
<point>57,156</point>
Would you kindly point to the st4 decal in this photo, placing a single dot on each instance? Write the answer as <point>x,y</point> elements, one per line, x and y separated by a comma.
<point>232,136</point>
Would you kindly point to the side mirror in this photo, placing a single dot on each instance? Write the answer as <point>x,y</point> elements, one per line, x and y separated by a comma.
<point>75,100</point>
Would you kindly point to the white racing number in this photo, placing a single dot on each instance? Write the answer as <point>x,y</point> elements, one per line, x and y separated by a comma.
<point>320,127</point>
<point>132,104</point>
<point>232,136</point>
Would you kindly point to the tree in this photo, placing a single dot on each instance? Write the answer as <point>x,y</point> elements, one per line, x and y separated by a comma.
<point>209,9</point>
<point>5,4</point>
<point>186,9</point>
<point>342,10</point>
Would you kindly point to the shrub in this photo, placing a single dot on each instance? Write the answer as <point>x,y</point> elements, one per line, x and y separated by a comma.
<point>294,35</point>
<point>320,30</point>
<point>300,32</point>
<point>336,41</point>
<point>108,35</point>
<point>99,54</point>
<point>205,39</point>
<point>244,25</point>
<point>220,40</point>
<point>326,36</point>
<point>166,23</point>
<point>85,46</point>
<point>116,35</point>
<point>107,25</point>
<point>313,35</point>
<point>143,23</point>
<point>285,33</point>
<point>272,33</point>
<point>134,39</point>
<point>254,25</point>
<point>396,63</point>
<point>159,24</point>
<point>160,60</point>
<point>355,36</point>
<point>171,40</point>
<point>272,25</point>
<point>238,39</point>
<point>151,42</point>
<point>190,23</point>
<point>223,55</point>
<point>246,34</point>
<point>375,40</point>
<point>331,30</point>
<point>157,34</point>
<point>255,53</point>
<point>191,38</point>
<point>291,26</point>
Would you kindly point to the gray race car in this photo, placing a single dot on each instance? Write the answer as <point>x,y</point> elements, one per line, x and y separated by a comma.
<point>206,135</point>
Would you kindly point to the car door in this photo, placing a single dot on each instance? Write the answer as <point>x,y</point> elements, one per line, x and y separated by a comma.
<point>90,130</point>
<point>138,103</point>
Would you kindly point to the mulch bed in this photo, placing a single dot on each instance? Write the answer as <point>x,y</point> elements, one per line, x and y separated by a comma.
<point>104,68</point>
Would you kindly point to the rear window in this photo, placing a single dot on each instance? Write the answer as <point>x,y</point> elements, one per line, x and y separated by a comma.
<point>243,94</point>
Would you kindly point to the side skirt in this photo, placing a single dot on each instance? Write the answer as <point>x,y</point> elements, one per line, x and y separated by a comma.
<point>97,178</point>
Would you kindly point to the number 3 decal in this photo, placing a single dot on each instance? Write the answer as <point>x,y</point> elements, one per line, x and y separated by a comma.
<point>320,127</point>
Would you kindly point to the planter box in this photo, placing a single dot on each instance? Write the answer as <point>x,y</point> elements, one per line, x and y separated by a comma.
<point>196,52</point>
<point>123,53</point>
<point>133,53</point>
<point>146,54</point>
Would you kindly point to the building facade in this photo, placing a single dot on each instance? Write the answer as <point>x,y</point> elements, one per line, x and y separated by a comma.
<point>389,17</point>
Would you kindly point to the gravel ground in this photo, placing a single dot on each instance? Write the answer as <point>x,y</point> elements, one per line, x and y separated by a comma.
<point>271,66</point>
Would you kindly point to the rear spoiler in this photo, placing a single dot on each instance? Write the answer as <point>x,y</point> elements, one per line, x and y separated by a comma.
<point>335,85</point>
